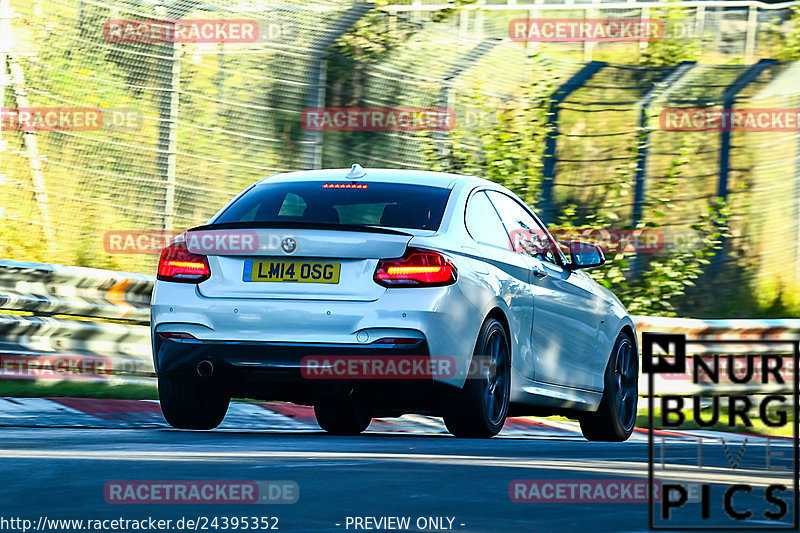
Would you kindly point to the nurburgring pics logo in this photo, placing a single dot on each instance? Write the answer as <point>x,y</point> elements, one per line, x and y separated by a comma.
<point>377,118</point>
<point>740,487</point>
<point>585,30</point>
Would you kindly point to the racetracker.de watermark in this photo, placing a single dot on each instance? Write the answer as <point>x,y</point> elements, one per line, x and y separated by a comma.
<point>585,30</point>
<point>30,119</point>
<point>717,119</point>
<point>396,367</point>
<point>52,366</point>
<point>579,491</point>
<point>201,492</point>
<point>377,367</point>
<point>609,240</point>
<point>205,242</point>
<point>181,31</point>
<point>377,118</point>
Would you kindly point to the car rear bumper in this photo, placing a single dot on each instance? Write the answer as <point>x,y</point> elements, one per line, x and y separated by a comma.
<point>277,358</point>
<point>276,371</point>
<point>263,334</point>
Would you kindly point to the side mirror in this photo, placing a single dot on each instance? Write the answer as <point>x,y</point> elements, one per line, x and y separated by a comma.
<point>585,255</point>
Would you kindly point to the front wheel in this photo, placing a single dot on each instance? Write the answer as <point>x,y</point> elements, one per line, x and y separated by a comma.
<point>614,419</point>
<point>479,409</point>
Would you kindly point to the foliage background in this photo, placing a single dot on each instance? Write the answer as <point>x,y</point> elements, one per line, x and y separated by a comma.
<point>238,120</point>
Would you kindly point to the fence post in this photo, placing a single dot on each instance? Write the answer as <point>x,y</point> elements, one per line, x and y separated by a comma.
<point>29,138</point>
<point>588,45</point>
<point>168,102</point>
<point>750,38</point>
<point>640,185</point>
<point>311,156</point>
<point>700,21</point>
<point>458,67</point>
<point>797,206</point>
<point>644,16</point>
<point>5,48</point>
<point>728,100</point>
<point>480,28</point>
<point>168,134</point>
<point>546,207</point>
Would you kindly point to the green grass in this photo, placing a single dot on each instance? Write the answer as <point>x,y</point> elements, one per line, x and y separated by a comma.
<point>758,427</point>
<point>95,389</point>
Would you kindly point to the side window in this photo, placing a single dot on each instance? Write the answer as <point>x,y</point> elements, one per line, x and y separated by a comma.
<point>527,236</point>
<point>483,223</point>
<point>293,206</point>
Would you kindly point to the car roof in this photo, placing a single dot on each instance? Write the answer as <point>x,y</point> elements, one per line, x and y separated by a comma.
<point>411,177</point>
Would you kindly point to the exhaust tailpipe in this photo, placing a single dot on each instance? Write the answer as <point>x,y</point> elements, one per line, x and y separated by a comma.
<point>205,368</point>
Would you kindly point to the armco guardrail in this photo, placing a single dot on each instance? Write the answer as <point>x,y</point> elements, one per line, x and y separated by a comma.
<point>105,317</point>
<point>66,290</point>
<point>709,331</point>
<point>80,315</point>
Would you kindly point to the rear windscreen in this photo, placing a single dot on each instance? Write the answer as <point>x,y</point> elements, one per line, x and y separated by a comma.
<point>394,205</point>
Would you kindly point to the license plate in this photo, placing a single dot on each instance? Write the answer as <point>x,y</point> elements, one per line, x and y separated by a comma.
<point>291,271</point>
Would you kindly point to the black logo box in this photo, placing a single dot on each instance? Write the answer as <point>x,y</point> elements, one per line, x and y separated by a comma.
<point>678,365</point>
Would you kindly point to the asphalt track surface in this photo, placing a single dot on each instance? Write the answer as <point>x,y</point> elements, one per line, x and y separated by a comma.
<point>61,472</point>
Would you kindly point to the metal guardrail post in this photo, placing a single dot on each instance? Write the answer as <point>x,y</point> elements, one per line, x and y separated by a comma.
<point>311,157</point>
<point>728,101</point>
<point>546,207</point>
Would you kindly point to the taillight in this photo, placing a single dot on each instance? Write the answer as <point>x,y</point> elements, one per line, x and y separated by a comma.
<point>177,264</point>
<point>418,268</point>
<point>176,335</point>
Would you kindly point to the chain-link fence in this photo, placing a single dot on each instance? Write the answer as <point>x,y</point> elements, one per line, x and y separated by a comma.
<point>719,30</point>
<point>187,123</point>
<point>200,118</point>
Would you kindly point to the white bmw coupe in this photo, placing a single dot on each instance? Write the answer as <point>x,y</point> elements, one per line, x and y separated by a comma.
<point>374,293</point>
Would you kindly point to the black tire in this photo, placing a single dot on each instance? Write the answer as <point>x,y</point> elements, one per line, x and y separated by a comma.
<point>190,404</point>
<point>342,417</point>
<point>615,418</point>
<point>480,408</point>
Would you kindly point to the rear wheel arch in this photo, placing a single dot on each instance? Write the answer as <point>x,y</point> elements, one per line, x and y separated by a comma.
<point>500,315</point>
<point>479,409</point>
